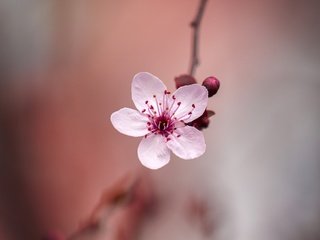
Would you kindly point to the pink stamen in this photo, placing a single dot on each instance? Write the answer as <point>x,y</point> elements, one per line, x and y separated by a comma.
<point>185,117</point>
<point>179,103</point>
<point>163,98</point>
<point>174,100</point>
<point>150,112</point>
<point>150,109</point>
<point>188,115</point>
<point>155,97</point>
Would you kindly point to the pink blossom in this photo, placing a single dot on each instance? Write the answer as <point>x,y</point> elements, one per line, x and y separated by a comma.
<point>162,117</point>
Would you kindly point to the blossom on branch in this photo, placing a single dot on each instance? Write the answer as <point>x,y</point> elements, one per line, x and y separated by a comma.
<point>162,118</point>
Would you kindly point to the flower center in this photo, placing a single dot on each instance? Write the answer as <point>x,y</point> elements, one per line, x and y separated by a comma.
<point>162,125</point>
<point>162,119</point>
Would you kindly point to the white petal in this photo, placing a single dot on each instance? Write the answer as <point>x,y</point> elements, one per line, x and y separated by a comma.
<point>130,122</point>
<point>189,145</point>
<point>144,87</point>
<point>188,95</point>
<point>153,152</point>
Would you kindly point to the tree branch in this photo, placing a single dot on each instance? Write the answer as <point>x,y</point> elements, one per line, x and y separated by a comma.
<point>195,25</point>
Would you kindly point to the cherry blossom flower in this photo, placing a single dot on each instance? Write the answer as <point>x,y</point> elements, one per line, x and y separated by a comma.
<point>161,118</point>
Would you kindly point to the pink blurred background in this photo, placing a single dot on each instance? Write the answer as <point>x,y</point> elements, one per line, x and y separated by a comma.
<point>65,66</point>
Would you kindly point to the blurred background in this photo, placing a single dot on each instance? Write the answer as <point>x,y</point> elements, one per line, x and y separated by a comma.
<point>65,66</point>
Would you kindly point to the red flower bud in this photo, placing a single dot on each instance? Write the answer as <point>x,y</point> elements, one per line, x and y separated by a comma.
<point>183,80</point>
<point>212,84</point>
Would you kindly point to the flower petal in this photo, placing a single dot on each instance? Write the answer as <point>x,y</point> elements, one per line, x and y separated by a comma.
<point>191,95</point>
<point>130,122</point>
<point>190,144</point>
<point>153,152</point>
<point>144,87</point>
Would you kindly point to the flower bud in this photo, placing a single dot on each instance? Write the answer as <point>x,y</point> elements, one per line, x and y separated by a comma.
<point>212,84</point>
<point>183,80</point>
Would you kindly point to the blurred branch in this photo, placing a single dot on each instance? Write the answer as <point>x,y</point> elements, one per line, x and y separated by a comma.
<point>131,197</point>
<point>195,25</point>
<point>120,194</point>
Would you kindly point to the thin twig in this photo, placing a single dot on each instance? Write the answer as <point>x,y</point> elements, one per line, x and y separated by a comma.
<point>195,24</point>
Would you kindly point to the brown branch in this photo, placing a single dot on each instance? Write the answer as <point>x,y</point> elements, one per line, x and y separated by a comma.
<point>195,24</point>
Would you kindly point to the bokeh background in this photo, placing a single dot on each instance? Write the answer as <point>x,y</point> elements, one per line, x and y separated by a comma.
<point>65,66</point>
